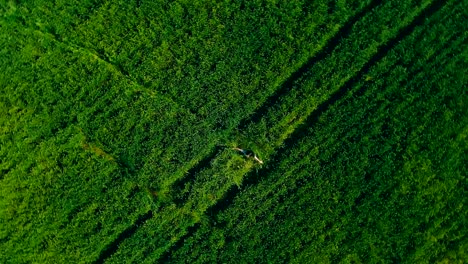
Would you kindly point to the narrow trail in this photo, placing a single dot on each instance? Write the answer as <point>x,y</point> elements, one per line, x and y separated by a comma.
<point>113,67</point>
<point>206,161</point>
<point>301,131</point>
<point>284,89</point>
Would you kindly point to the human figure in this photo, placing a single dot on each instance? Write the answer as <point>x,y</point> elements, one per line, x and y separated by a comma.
<point>248,153</point>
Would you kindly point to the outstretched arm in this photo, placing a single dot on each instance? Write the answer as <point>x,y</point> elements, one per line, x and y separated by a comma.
<point>257,159</point>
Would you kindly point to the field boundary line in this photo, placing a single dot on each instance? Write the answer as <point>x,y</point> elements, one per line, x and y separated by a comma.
<point>288,83</point>
<point>301,130</point>
<point>360,90</point>
<point>285,87</point>
<point>113,67</point>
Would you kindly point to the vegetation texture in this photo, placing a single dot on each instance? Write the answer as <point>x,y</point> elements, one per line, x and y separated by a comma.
<point>119,119</point>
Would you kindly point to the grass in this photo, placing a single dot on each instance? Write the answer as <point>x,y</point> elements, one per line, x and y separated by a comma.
<point>304,207</point>
<point>117,119</point>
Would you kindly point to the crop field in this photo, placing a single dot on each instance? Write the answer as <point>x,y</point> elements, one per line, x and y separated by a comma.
<point>119,122</point>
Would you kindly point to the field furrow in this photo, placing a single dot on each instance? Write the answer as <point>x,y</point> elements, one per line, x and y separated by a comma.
<point>225,172</point>
<point>122,126</point>
<point>112,247</point>
<point>353,165</point>
<point>275,98</point>
<point>140,137</point>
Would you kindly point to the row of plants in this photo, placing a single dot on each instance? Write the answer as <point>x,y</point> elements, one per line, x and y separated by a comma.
<point>227,170</point>
<point>86,142</point>
<point>378,178</point>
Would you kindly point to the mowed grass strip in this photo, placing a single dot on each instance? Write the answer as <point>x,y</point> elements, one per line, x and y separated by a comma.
<point>380,177</point>
<point>209,187</point>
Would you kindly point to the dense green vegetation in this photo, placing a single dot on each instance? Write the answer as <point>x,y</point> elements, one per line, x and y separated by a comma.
<point>116,122</point>
<point>367,182</point>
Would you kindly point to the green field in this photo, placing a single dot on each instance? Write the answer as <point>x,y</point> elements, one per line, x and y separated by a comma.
<point>118,119</point>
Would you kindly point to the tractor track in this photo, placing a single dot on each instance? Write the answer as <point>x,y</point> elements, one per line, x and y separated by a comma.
<point>300,132</point>
<point>272,100</point>
<point>284,89</point>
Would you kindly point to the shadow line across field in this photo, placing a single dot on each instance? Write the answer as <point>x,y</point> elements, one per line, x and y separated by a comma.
<point>273,99</point>
<point>112,247</point>
<point>253,177</point>
<point>283,90</point>
<point>301,131</point>
<point>117,68</point>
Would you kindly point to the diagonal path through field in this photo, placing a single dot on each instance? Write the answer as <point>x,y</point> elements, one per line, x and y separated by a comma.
<point>335,160</point>
<point>197,200</point>
<point>299,134</point>
<point>281,91</point>
<point>282,116</point>
<point>275,137</point>
<point>451,45</point>
<point>107,124</point>
<point>102,131</point>
<point>290,114</point>
<point>115,68</point>
<point>344,31</point>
